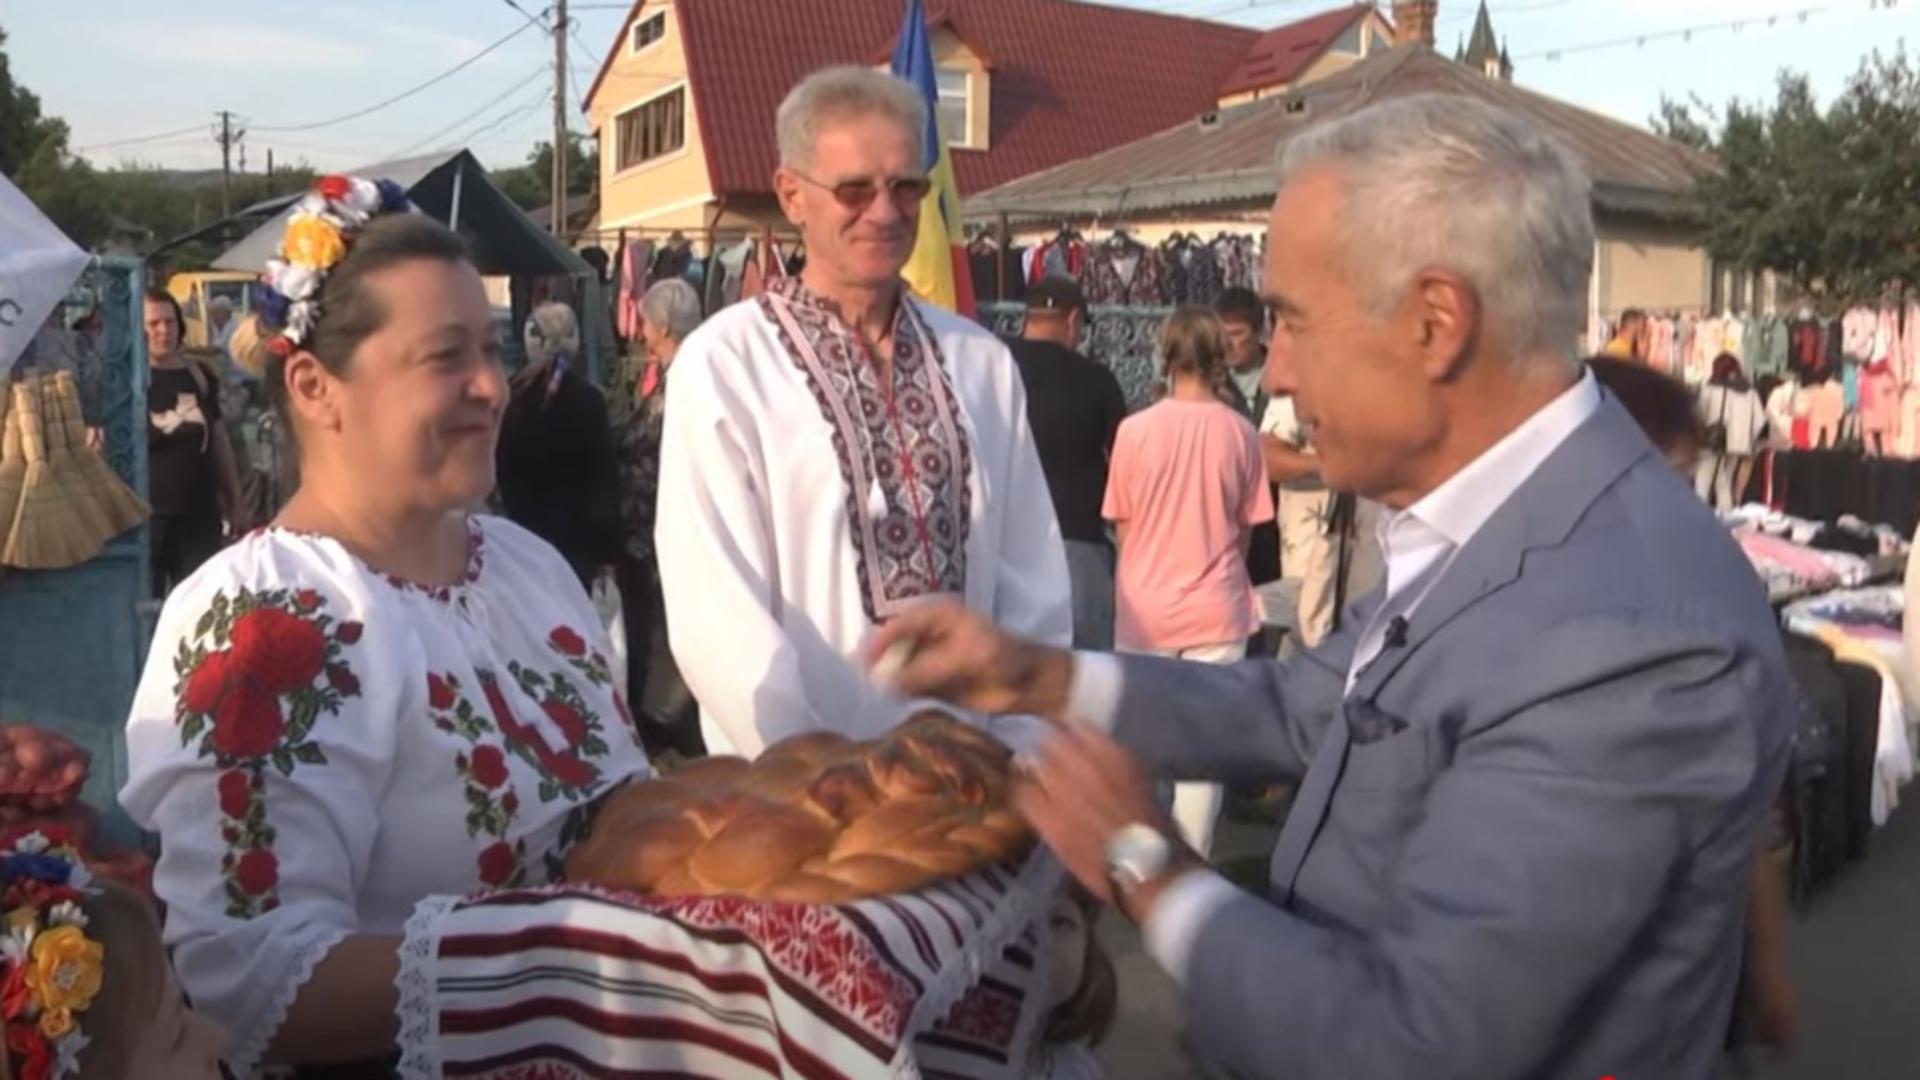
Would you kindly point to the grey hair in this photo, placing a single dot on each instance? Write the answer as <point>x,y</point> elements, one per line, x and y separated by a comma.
<point>673,305</point>
<point>1450,181</point>
<point>838,94</point>
<point>552,329</point>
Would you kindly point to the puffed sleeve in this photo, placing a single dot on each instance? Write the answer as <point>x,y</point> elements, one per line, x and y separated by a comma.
<point>259,749</point>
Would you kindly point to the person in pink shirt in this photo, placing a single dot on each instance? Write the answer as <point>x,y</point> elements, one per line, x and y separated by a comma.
<point>1185,488</point>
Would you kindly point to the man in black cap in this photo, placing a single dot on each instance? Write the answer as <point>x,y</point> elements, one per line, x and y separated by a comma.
<point>1074,406</point>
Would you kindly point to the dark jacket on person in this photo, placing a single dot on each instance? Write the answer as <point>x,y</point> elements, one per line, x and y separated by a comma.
<point>557,470</point>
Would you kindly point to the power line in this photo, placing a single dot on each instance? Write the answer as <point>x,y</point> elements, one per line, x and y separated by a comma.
<point>1686,33</point>
<point>155,137</point>
<point>493,125</point>
<point>469,118</point>
<point>436,80</point>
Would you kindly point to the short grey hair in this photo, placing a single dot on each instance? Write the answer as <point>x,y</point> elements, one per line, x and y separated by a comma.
<point>673,306</point>
<point>836,94</point>
<point>552,329</point>
<point>1451,181</point>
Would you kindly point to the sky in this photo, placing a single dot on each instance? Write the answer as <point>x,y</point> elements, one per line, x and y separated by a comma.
<point>127,69</point>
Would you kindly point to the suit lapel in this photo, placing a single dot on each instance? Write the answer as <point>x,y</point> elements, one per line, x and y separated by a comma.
<point>1542,512</point>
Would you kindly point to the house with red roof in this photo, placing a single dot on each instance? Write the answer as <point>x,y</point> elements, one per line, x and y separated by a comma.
<point>683,107</point>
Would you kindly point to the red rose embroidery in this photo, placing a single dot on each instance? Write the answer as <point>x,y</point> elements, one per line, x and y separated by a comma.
<point>343,680</point>
<point>439,694</point>
<point>277,652</point>
<point>510,802</point>
<point>257,872</point>
<point>332,187</point>
<point>489,766</point>
<point>568,720</point>
<point>497,864</point>
<point>236,793</point>
<point>349,633</point>
<point>564,639</point>
<point>207,682</point>
<point>567,769</point>
<point>307,600</point>
<point>248,723</point>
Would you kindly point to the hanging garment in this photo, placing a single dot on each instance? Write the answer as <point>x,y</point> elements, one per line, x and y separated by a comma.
<point>1124,273</point>
<point>1826,405</point>
<point>1806,354</point>
<point>1858,328</point>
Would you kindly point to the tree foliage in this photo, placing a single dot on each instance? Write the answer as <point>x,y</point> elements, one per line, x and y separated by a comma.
<point>530,186</point>
<point>1829,199</point>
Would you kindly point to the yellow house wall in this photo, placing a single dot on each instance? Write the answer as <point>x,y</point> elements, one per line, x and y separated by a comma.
<point>1649,267</point>
<point>668,192</point>
<point>950,52</point>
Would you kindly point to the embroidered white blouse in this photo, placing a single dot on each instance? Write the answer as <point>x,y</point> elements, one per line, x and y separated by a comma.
<point>801,502</point>
<point>320,747</point>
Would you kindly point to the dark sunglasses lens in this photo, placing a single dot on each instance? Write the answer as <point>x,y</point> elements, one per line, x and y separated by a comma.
<point>906,192</point>
<point>855,194</point>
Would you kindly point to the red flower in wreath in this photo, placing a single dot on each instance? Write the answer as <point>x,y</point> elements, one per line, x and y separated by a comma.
<point>497,864</point>
<point>30,1052</point>
<point>257,872</point>
<point>332,187</point>
<point>236,793</point>
<point>568,642</point>
<point>277,652</point>
<point>568,720</point>
<point>248,723</point>
<point>439,694</point>
<point>349,633</point>
<point>14,994</point>
<point>489,766</point>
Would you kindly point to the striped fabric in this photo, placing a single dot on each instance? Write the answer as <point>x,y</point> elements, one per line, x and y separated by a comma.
<point>567,981</point>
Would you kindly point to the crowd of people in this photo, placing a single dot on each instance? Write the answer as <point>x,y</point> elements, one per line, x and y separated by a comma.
<point>829,505</point>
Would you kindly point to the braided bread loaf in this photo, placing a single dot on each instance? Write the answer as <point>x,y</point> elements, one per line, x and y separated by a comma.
<point>817,819</point>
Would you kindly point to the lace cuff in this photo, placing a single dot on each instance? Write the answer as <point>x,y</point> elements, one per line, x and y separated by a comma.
<point>250,1042</point>
<point>419,1008</point>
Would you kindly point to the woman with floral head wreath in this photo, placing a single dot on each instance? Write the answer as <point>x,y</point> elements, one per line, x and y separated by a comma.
<point>381,697</point>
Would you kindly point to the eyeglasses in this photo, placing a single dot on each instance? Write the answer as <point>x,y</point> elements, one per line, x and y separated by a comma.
<point>856,195</point>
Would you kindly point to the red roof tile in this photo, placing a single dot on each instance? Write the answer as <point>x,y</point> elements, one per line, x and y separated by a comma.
<point>1282,55</point>
<point>1069,79</point>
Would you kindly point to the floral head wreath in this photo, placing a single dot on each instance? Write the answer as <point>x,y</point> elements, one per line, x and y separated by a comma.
<point>52,968</point>
<point>322,227</point>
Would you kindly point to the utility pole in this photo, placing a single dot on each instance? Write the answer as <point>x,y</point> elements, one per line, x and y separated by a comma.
<point>228,138</point>
<point>561,141</point>
<point>269,164</point>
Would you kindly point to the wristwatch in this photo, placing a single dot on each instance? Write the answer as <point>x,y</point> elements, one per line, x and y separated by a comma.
<point>1135,855</point>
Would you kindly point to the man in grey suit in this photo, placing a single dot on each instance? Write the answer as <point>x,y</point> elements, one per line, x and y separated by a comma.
<point>1535,762</point>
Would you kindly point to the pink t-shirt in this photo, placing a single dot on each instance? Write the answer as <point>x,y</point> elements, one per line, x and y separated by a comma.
<point>1189,481</point>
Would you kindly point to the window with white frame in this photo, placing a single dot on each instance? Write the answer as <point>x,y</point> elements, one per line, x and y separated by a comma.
<point>955,113</point>
<point>649,30</point>
<point>652,129</point>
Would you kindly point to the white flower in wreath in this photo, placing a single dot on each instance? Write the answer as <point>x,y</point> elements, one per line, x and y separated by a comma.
<point>79,877</point>
<point>300,318</point>
<point>297,283</point>
<point>311,203</point>
<point>363,196</point>
<point>32,843</point>
<point>13,949</point>
<point>67,913</point>
<point>66,1051</point>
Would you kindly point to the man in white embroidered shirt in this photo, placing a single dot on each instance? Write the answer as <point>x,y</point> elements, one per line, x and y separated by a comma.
<point>836,451</point>
<point>1534,764</point>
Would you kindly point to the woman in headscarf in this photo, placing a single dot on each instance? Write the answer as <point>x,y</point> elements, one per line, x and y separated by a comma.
<point>665,709</point>
<point>556,448</point>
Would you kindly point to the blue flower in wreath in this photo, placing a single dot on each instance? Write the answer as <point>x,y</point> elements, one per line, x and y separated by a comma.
<point>393,197</point>
<point>51,869</point>
<point>272,306</point>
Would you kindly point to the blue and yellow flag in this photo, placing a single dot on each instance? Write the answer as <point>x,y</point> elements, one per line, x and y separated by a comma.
<point>938,269</point>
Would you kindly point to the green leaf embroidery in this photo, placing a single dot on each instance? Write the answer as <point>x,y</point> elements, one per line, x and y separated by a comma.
<point>310,754</point>
<point>283,761</point>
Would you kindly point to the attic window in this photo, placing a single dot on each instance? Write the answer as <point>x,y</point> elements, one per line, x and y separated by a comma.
<point>1296,105</point>
<point>1209,120</point>
<point>649,31</point>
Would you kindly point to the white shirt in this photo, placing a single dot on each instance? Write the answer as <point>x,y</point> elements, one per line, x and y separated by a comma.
<point>1419,543</point>
<point>321,747</point>
<point>760,566</point>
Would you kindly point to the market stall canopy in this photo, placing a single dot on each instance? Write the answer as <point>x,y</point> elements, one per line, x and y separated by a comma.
<point>1227,159</point>
<point>37,264</point>
<point>454,189</point>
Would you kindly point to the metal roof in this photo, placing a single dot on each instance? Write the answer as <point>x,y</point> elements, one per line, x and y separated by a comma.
<point>1281,55</point>
<point>1228,158</point>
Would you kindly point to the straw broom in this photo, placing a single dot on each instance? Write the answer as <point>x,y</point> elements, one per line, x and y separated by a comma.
<point>48,531</point>
<point>122,507</point>
<point>13,462</point>
<point>93,524</point>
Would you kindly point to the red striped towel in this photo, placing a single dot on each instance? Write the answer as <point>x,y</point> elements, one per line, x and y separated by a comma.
<point>568,981</point>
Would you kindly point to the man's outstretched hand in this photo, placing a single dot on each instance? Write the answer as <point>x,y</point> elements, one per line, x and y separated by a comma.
<point>945,651</point>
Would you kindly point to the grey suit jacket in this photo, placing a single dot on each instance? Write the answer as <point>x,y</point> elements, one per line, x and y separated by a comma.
<point>1521,845</point>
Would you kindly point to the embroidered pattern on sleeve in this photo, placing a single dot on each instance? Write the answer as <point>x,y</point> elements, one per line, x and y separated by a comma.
<point>259,669</point>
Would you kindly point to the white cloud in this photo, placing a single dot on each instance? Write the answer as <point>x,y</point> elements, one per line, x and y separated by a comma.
<point>238,47</point>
